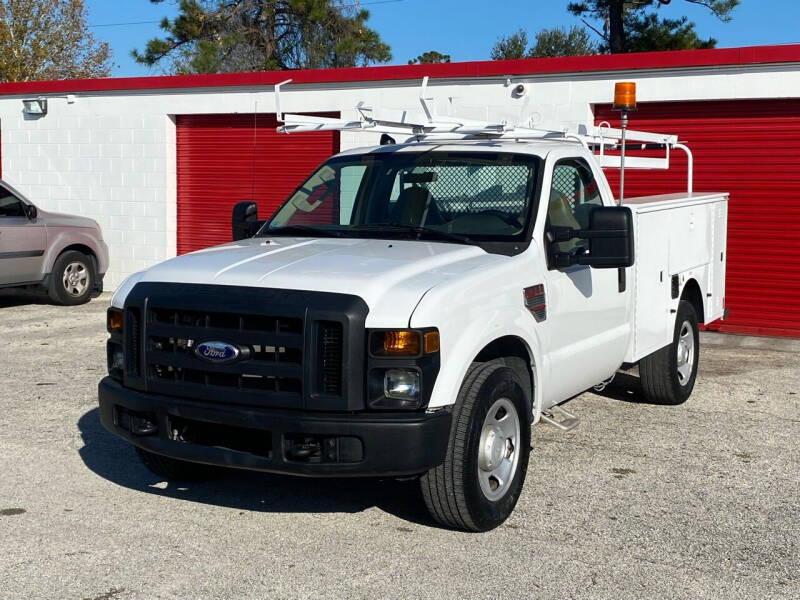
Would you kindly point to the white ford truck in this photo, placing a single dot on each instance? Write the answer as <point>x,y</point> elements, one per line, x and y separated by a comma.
<point>412,310</point>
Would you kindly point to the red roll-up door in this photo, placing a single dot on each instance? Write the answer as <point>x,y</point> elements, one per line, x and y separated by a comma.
<point>224,159</point>
<point>749,148</point>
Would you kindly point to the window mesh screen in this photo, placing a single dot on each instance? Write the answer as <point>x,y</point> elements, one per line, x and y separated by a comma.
<point>565,181</point>
<point>467,189</point>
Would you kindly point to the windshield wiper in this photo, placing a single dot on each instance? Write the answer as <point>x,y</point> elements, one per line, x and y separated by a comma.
<point>419,230</point>
<point>302,230</point>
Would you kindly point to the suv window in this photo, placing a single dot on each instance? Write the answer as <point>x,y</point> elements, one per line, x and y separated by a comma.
<point>573,194</point>
<point>10,205</point>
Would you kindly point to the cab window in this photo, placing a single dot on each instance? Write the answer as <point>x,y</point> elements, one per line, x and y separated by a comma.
<point>573,194</point>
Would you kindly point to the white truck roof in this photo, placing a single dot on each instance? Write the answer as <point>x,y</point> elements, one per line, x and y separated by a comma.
<point>536,148</point>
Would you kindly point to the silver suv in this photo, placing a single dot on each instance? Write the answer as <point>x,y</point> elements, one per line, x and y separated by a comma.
<point>62,254</point>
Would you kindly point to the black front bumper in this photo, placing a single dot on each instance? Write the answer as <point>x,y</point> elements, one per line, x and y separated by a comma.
<point>361,444</point>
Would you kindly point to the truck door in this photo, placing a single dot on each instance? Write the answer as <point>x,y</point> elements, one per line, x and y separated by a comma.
<point>22,242</point>
<point>587,321</point>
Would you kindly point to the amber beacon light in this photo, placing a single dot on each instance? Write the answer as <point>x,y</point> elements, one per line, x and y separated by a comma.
<point>624,96</point>
<point>624,101</point>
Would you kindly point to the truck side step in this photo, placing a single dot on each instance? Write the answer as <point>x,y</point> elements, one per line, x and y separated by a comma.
<point>565,421</point>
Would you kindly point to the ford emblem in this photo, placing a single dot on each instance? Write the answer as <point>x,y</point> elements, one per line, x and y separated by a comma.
<point>217,352</point>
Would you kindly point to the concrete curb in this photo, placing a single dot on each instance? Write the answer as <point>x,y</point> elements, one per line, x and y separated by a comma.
<point>747,341</point>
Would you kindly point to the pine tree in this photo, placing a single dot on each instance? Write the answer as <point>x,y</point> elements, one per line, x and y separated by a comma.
<point>212,36</point>
<point>630,25</point>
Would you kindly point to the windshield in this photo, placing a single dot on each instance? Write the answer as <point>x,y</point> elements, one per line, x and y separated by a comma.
<point>449,196</point>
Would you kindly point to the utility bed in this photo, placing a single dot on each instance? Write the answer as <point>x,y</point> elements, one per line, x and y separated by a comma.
<point>678,237</point>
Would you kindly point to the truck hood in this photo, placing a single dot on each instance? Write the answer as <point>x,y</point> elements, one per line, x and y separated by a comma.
<point>391,276</point>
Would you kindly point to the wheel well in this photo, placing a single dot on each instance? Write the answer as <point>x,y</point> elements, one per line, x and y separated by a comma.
<point>693,295</point>
<point>514,353</point>
<point>83,249</point>
<point>79,248</point>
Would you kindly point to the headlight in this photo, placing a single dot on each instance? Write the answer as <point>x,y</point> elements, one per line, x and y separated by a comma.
<point>116,359</point>
<point>401,384</point>
<point>401,389</point>
<point>402,365</point>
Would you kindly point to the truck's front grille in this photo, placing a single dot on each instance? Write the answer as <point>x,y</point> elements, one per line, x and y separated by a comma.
<point>330,363</point>
<point>270,355</point>
<point>133,351</point>
<point>248,346</point>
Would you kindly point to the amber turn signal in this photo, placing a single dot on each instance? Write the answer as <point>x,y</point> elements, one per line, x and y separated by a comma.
<point>400,343</point>
<point>625,96</point>
<point>431,342</point>
<point>114,320</point>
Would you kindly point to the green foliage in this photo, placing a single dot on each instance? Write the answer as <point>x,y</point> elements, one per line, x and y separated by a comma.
<point>49,39</point>
<point>513,46</point>
<point>649,33</point>
<point>213,36</point>
<point>560,42</point>
<point>548,42</point>
<point>429,57</point>
<point>630,25</point>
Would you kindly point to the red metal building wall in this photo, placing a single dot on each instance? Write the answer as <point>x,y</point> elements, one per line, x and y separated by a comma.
<point>752,150</point>
<point>224,159</point>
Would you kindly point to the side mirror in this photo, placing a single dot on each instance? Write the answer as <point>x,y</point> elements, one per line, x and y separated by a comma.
<point>610,236</point>
<point>244,220</point>
<point>30,211</point>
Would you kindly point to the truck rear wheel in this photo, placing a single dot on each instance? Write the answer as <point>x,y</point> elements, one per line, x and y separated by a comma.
<point>668,374</point>
<point>172,468</point>
<point>479,483</point>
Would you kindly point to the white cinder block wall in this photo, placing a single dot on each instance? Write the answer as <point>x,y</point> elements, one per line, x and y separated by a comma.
<point>111,155</point>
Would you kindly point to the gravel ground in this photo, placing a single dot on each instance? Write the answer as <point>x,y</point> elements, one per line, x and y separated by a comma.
<point>640,501</point>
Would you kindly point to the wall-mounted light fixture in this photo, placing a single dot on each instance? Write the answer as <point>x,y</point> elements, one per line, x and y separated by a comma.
<point>35,106</point>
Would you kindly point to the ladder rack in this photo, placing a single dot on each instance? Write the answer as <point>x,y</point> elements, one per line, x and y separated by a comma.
<point>423,125</point>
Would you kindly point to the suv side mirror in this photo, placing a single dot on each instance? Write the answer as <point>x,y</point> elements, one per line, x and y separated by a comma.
<point>244,220</point>
<point>610,236</point>
<point>30,211</point>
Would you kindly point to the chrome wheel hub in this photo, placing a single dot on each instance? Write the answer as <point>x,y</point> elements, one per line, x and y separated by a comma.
<point>497,453</point>
<point>685,353</point>
<point>75,279</point>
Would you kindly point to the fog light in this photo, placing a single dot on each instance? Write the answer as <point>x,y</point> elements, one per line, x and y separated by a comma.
<point>401,384</point>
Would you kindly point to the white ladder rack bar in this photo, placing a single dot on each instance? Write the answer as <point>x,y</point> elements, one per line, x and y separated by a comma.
<point>418,126</point>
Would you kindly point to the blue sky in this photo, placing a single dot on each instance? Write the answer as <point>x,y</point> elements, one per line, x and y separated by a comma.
<point>465,29</point>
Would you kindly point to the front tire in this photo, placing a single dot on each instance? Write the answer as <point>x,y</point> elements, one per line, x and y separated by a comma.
<point>477,486</point>
<point>72,280</point>
<point>668,375</point>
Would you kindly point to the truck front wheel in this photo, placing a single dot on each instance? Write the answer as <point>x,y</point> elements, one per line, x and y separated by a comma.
<point>479,483</point>
<point>668,374</point>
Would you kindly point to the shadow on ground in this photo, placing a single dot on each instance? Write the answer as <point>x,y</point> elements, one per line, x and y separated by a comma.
<point>15,297</point>
<point>626,388</point>
<point>115,460</point>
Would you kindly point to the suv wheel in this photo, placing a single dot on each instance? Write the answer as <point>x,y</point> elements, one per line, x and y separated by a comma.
<point>72,280</point>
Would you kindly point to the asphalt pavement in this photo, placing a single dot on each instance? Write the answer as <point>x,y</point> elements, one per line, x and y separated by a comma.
<point>640,501</point>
